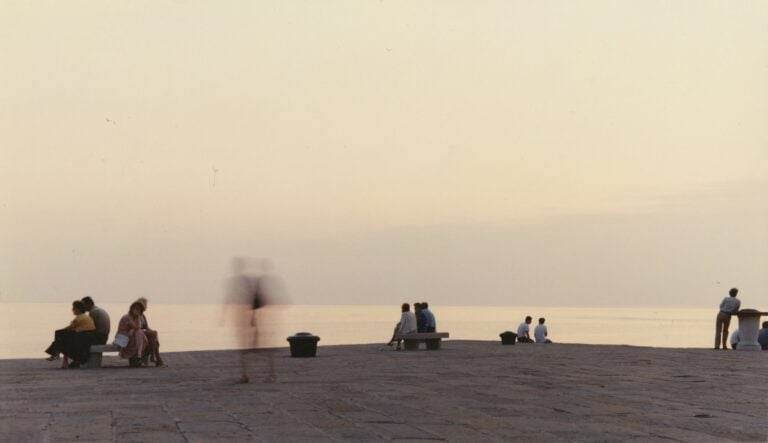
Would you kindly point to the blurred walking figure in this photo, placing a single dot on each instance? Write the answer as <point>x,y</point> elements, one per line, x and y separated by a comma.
<point>246,293</point>
<point>100,320</point>
<point>406,325</point>
<point>153,342</point>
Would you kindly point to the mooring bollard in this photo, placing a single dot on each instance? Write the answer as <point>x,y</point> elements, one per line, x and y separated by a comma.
<point>303,344</point>
<point>508,338</point>
<point>749,325</point>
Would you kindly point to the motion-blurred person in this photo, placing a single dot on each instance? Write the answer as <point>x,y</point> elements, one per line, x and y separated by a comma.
<point>431,323</point>
<point>75,340</point>
<point>762,336</point>
<point>100,320</point>
<point>153,342</point>
<point>245,295</point>
<point>540,332</point>
<point>421,319</point>
<point>729,306</point>
<point>523,331</point>
<point>406,325</point>
<point>130,330</point>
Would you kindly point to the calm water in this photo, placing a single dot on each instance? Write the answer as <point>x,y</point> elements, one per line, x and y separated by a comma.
<point>28,327</point>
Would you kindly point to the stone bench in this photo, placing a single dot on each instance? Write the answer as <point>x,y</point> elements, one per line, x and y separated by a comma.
<point>432,340</point>
<point>94,359</point>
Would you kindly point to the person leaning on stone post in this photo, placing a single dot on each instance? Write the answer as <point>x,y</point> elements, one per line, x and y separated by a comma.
<point>729,306</point>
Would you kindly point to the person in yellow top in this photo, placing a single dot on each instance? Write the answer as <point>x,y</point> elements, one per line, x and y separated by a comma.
<point>75,340</point>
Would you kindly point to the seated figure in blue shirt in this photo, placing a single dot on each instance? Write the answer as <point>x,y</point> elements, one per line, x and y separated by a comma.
<point>762,337</point>
<point>429,316</point>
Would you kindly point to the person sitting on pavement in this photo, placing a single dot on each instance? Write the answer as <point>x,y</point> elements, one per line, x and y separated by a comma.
<point>100,320</point>
<point>523,335</point>
<point>735,339</point>
<point>431,323</point>
<point>75,340</point>
<point>153,343</point>
<point>762,336</point>
<point>406,325</point>
<point>540,332</point>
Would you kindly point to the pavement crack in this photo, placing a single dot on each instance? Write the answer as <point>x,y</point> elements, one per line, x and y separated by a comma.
<point>176,421</point>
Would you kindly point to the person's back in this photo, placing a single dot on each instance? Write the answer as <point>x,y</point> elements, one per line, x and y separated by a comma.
<point>523,331</point>
<point>762,336</point>
<point>430,317</point>
<point>408,323</point>
<point>101,321</point>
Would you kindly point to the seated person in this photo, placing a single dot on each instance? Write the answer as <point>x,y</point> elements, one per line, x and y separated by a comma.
<point>421,319</point>
<point>540,333</point>
<point>407,324</point>
<point>762,336</point>
<point>735,339</point>
<point>431,323</point>
<point>100,320</point>
<point>75,340</point>
<point>130,327</point>
<point>523,335</point>
<point>153,347</point>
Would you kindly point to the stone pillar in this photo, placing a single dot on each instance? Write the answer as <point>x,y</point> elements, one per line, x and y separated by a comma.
<point>749,325</point>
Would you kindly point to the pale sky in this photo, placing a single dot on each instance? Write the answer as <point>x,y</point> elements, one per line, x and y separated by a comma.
<point>569,153</point>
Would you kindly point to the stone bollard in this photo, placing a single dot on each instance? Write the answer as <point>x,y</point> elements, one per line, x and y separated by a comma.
<point>749,326</point>
<point>303,344</point>
<point>508,338</point>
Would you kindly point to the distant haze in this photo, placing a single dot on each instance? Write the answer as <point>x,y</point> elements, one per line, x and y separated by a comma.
<point>497,153</point>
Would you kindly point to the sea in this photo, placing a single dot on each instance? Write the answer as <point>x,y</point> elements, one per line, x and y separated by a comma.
<point>27,328</point>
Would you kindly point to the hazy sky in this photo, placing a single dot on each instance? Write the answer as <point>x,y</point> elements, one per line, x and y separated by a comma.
<point>460,152</point>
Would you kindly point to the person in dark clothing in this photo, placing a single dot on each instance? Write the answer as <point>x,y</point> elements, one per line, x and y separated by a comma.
<point>421,319</point>
<point>75,340</point>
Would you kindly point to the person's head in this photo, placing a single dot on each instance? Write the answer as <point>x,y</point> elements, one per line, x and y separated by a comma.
<point>424,305</point>
<point>528,319</point>
<point>143,302</point>
<point>88,302</point>
<point>136,309</point>
<point>417,307</point>
<point>541,320</point>
<point>406,307</point>
<point>733,292</point>
<point>78,307</point>
<point>765,324</point>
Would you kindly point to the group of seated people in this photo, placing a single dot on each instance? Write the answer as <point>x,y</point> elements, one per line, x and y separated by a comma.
<point>422,320</point>
<point>762,337</point>
<point>91,325</point>
<point>539,333</point>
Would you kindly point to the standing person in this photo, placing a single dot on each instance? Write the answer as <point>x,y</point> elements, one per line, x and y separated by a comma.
<point>153,343</point>
<point>540,332</point>
<point>523,330</point>
<point>100,319</point>
<point>728,307</point>
<point>762,336</point>
<point>130,327</point>
<point>246,294</point>
<point>406,325</point>
<point>75,340</point>
<point>431,323</point>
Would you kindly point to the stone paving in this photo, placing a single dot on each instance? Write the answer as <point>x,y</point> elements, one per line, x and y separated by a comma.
<point>470,391</point>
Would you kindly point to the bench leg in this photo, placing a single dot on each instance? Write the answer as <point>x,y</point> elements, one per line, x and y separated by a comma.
<point>411,345</point>
<point>433,343</point>
<point>94,360</point>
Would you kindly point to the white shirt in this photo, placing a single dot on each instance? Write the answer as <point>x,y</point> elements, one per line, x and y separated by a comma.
<point>730,304</point>
<point>522,329</point>
<point>540,333</point>
<point>407,323</point>
<point>735,337</point>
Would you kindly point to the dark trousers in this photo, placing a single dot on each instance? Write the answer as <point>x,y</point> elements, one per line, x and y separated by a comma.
<point>722,323</point>
<point>430,329</point>
<point>524,339</point>
<point>75,345</point>
<point>101,338</point>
